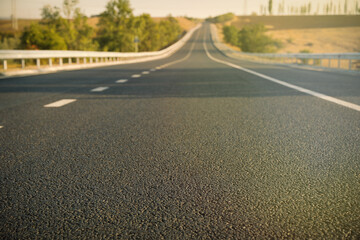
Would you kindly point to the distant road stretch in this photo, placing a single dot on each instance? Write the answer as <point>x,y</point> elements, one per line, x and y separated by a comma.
<point>196,145</point>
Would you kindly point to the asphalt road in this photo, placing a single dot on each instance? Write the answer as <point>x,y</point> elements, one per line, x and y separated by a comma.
<point>193,150</point>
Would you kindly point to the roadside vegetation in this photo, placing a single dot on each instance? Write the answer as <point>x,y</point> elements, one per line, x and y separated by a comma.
<point>251,38</point>
<point>67,28</point>
<point>221,18</point>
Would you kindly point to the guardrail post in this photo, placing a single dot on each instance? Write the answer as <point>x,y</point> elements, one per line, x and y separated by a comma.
<point>77,60</point>
<point>70,61</point>
<point>339,62</point>
<point>23,63</point>
<point>329,62</point>
<point>60,61</point>
<point>97,60</point>
<point>38,63</point>
<point>84,60</point>
<point>5,65</point>
<point>50,62</point>
<point>350,64</point>
<point>320,62</point>
<point>91,60</point>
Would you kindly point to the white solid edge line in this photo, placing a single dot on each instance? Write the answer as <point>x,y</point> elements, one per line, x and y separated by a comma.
<point>99,89</point>
<point>136,76</point>
<point>60,103</point>
<point>300,89</point>
<point>122,81</point>
<point>1,126</point>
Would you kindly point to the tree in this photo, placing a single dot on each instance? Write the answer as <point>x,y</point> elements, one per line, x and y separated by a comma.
<point>115,27</point>
<point>148,33</point>
<point>279,9</point>
<point>68,7</point>
<point>55,32</point>
<point>169,31</point>
<point>118,28</point>
<point>84,33</point>
<point>345,7</point>
<point>270,6</point>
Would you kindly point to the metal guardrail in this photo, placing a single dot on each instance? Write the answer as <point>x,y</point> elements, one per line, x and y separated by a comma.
<point>297,58</point>
<point>88,57</point>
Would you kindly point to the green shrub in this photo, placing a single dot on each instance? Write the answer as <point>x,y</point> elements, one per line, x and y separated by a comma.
<point>251,38</point>
<point>305,61</point>
<point>9,43</point>
<point>231,35</point>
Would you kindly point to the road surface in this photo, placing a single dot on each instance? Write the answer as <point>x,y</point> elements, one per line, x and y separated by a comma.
<point>187,147</point>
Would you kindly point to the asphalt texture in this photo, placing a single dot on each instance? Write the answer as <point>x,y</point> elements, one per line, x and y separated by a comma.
<point>195,150</point>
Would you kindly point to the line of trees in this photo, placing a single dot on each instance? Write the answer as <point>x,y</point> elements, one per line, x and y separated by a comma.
<point>330,7</point>
<point>117,30</point>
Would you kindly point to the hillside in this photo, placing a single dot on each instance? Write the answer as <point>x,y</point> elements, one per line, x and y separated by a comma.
<point>299,22</point>
<point>317,34</point>
<point>5,25</point>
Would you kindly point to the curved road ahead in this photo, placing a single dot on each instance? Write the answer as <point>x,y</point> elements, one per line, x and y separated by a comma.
<point>187,147</point>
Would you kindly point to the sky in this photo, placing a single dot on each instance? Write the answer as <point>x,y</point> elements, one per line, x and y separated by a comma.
<point>160,8</point>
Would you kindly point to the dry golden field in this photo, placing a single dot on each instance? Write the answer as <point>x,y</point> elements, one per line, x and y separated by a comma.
<point>320,40</point>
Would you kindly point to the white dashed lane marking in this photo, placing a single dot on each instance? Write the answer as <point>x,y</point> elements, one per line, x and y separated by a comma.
<point>136,76</point>
<point>99,89</point>
<point>59,103</point>
<point>145,72</point>
<point>152,70</point>
<point>1,126</point>
<point>122,81</point>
